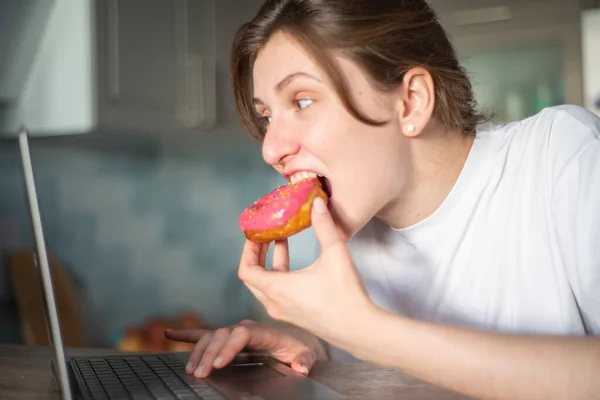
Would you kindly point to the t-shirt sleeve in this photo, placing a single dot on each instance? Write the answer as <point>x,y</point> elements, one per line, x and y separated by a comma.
<point>576,212</point>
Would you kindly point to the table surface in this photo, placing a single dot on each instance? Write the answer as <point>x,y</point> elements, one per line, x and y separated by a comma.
<point>25,374</point>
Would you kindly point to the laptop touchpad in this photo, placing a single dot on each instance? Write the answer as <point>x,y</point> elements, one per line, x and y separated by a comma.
<point>260,381</point>
<point>245,371</point>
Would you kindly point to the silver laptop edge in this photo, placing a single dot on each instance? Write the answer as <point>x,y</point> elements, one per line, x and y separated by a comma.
<point>41,260</point>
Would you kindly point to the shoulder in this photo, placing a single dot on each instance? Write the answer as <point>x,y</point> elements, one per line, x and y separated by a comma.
<point>567,132</point>
<point>560,124</point>
<point>563,125</point>
<point>575,201</point>
<point>555,136</point>
<point>568,124</point>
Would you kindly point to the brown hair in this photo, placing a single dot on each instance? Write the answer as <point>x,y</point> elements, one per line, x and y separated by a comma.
<point>385,38</point>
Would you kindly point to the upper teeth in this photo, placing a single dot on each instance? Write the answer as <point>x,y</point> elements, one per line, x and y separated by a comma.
<point>298,176</point>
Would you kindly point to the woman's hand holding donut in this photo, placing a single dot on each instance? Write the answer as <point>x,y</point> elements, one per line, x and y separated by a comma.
<point>216,349</point>
<point>327,298</point>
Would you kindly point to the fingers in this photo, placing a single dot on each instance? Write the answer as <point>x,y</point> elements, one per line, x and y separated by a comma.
<point>254,254</point>
<point>252,267</point>
<point>250,272</point>
<point>185,335</point>
<point>304,361</point>
<point>260,282</point>
<point>281,256</point>
<point>262,254</point>
<point>211,352</point>
<point>219,348</point>
<point>198,352</point>
<point>323,225</point>
<point>251,254</point>
<point>238,340</point>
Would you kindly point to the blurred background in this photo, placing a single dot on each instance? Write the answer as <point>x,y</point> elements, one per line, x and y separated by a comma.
<point>143,168</point>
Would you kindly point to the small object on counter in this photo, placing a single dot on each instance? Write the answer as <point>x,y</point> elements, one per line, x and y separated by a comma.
<point>155,334</point>
<point>132,340</point>
<point>150,336</point>
<point>190,320</point>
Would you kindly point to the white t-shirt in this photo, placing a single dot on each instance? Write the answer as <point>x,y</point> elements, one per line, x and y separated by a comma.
<point>515,247</point>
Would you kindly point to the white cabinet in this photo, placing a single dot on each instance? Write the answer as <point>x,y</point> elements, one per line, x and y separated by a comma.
<point>521,56</point>
<point>151,77</point>
<point>590,32</point>
<point>134,66</point>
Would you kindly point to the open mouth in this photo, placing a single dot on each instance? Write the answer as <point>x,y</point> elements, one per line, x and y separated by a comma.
<point>326,185</point>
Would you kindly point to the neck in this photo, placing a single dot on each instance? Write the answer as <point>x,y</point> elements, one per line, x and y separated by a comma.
<point>436,160</point>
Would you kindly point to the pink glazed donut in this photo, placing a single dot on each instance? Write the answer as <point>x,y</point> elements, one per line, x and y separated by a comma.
<point>282,213</point>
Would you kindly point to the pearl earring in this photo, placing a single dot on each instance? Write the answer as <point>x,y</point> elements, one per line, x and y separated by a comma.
<point>411,128</point>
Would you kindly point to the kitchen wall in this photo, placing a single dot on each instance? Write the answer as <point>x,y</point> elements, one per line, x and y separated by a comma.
<point>146,225</point>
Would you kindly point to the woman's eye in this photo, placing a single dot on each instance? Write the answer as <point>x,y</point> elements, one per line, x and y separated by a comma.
<point>303,103</point>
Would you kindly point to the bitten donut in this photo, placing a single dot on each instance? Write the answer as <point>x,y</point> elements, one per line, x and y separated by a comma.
<point>283,212</point>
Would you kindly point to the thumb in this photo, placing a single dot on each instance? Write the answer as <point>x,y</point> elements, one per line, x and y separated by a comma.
<point>303,362</point>
<point>323,224</point>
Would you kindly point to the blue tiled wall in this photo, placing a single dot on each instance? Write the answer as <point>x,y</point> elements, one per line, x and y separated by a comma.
<point>146,226</point>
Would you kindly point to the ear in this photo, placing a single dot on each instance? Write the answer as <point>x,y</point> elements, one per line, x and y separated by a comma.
<point>416,98</point>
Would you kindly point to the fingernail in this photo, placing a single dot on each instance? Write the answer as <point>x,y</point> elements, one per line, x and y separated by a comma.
<point>199,371</point>
<point>188,367</point>
<point>217,361</point>
<point>319,206</point>
<point>304,369</point>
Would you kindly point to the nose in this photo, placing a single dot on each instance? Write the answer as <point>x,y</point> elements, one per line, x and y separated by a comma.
<point>277,146</point>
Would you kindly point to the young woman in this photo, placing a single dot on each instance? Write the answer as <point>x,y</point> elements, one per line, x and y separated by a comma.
<point>458,250</point>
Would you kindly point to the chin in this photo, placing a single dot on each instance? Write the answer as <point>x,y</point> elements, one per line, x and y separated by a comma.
<point>345,227</point>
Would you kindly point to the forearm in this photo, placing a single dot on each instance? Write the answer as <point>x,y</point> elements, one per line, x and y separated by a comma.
<point>484,365</point>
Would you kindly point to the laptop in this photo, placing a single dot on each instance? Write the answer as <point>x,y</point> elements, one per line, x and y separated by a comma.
<point>155,375</point>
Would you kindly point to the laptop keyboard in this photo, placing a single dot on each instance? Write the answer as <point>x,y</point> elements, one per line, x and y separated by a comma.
<point>142,377</point>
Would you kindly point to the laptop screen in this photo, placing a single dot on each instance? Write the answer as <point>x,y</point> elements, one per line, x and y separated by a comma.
<point>58,361</point>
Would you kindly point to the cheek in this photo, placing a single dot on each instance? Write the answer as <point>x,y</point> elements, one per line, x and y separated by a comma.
<point>349,149</point>
<point>318,134</point>
<point>370,162</point>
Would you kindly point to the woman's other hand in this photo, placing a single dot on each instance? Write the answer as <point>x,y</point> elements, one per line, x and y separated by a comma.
<point>216,349</point>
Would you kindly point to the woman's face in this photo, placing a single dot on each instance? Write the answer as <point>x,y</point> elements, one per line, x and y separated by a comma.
<point>309,130</point>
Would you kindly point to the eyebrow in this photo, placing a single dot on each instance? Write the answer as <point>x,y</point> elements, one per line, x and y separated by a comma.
<point>286,81</point>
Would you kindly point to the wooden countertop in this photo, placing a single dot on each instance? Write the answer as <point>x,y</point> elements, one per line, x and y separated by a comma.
<point>25,374</point>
